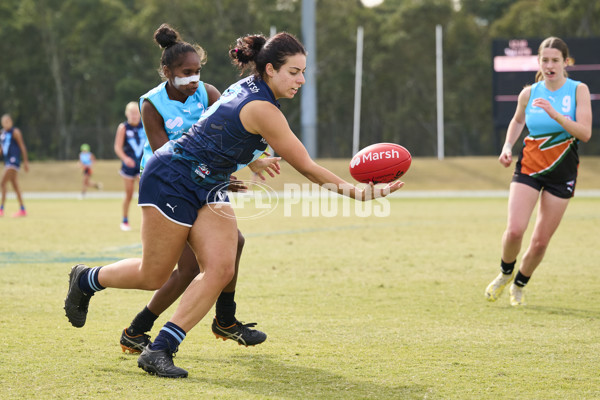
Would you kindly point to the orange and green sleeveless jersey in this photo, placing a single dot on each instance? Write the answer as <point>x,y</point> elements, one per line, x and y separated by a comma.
<point>550,151</point>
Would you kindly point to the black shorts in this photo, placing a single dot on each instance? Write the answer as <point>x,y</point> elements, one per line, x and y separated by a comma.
<point>564,190</point>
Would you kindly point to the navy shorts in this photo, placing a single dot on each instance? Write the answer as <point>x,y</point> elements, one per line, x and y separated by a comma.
<point>564,190</point>
<point>13,163</point>
<point>130,173</point>
<point>175,195</point>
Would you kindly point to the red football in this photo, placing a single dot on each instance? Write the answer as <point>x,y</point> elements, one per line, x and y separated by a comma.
<point>380,163</point>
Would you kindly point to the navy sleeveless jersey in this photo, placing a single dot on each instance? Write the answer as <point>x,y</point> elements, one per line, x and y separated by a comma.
<point>218,145</point>
<point>133,142</point>
<point>10,149</point>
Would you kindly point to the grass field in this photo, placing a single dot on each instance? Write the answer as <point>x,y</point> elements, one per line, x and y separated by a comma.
<point>354,307</point>
<point>465,173</point>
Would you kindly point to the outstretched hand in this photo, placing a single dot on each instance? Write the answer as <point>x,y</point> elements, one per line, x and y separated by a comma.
<point>374,192</point>
<point>270,165</point>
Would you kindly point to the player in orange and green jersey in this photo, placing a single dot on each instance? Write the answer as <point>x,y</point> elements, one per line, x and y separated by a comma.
<point>550,151</point>
<point>558,114</point>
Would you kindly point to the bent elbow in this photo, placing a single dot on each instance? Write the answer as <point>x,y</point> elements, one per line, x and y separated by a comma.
<point>586,137</point>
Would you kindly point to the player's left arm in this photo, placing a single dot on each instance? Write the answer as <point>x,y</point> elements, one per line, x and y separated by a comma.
<point>21,143</point>
<point>263,118</point>
<point>581,128</point>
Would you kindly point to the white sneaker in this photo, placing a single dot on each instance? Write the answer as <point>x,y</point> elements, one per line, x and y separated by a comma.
<point>494,289</point>
<point>125,227</point>
<point>517,297</point>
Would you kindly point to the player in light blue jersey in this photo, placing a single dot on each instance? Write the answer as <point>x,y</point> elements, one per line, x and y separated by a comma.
<point>184,200</point>
<point>129,146</point>
<point>86,162</point>
<point>558,114</point>
<point>168,111</point>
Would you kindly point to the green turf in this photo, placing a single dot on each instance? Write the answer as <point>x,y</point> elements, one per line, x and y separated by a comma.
<point>464,173</point>
<point>355,308</point>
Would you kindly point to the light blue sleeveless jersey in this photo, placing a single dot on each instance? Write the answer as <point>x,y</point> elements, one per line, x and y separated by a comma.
<point>562,100</point>
<point>178,116</point>
<point>549,150</point>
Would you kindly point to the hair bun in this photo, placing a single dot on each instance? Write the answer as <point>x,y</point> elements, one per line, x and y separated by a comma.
<point>166,36</point>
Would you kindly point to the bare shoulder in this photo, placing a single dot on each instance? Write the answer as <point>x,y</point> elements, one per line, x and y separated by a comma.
<point>524,96</point>
<point>213,92</point>
<point>258,115</point>
<point>147,106</point>
<point>582,88</point>
<point>526,91</point>
<point>17,134</point>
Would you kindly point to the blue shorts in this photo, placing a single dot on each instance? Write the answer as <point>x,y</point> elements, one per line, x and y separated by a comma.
<point>129,173</point>
<point>13,163</point>
<point>174,194</point>
<point>564,190</point>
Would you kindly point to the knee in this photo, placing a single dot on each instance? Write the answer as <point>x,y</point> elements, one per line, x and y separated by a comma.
<point>188,270</point>
<point>513,234</point>
<point>538,246</point>
<point>225,274</point>
<point>152,282</point>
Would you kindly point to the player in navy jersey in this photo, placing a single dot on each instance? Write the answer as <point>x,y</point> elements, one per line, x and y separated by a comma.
<point>558,114</point>
<point>183,193</point>
<point>129,147</point>
<point>168,111</point>
<point>13,150</point>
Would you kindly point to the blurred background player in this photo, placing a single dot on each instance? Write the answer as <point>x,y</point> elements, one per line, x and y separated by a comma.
<point>558,113</point>
<point>13,149</point>
<point>129,147</point>
<point>86,162</point>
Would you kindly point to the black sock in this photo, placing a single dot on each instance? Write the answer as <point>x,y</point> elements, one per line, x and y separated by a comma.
<point>507,268</point>
<point>521,280</point>
<point>225,309</point>
<point>142,322</point>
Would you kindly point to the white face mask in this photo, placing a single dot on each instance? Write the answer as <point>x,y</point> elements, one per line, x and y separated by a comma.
<point>187,80</point>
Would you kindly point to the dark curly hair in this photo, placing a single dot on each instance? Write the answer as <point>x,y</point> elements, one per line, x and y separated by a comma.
<point>174,48</point>
<point>254,52</point>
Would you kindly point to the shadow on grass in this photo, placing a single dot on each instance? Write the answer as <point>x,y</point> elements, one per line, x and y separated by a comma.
<point>267,377</point>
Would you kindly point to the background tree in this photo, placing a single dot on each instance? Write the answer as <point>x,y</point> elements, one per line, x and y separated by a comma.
<point>70,66</point>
